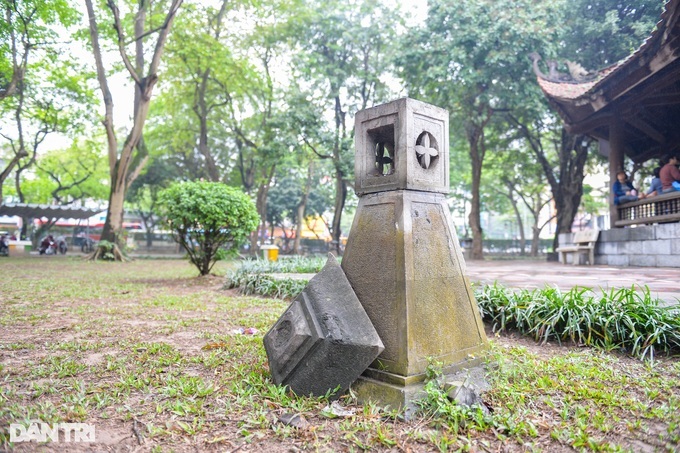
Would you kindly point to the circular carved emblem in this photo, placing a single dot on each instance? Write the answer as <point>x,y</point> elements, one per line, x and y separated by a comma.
<point>427,150</point>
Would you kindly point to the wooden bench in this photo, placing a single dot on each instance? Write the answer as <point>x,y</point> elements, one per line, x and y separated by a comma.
<point>584,242</point>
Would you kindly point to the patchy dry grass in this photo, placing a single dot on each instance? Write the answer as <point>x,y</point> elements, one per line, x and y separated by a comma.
<point>151,355</point>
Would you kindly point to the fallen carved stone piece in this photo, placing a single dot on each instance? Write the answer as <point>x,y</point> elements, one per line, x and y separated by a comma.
<point>325,339</point>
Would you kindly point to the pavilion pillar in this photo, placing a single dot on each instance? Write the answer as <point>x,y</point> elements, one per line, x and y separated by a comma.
<point>616,153</point>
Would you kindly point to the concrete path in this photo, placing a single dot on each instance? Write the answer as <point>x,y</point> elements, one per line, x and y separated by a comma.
<point>663,282</point>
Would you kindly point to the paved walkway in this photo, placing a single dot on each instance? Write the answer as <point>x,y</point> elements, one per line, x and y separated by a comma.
<point>663,282</point>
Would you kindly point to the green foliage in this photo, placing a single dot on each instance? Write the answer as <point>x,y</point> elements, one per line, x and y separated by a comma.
<point>285,265</point>
<point>266,285</point>
<point>206,216</point>
<point>107,253</point>
<point>615,319</point>
<point>599,33</point>
<point>455,418</point>
<point>78,172</point>
<point>255,276</point>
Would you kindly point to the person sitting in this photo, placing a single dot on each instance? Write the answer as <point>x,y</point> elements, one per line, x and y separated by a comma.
<point>655,187</point>
<point>669,174</point>
<point>46,244</point>
<point>624,192</point>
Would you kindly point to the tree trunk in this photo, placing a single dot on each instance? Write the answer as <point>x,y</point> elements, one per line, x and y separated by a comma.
<point>520,225</point>
<point>535,239</point>
<point>114,215</point>
<point>340,198</point>
<point>573,156</point>
<point>340,183</point>
<point>125,167</point>
<point>261,205</point>
<point>302,206</point>
<point>201,109</point>
<point>567,184</point>
<point>475,139</point>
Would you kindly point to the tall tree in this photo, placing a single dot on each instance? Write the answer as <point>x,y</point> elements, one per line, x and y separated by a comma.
<point>345,49</point>
<point>143,196</point>
<point>225,71</point>
<point>593,34</point>
<point>28,50</point>
<point>468,57</point>
<point>126,163</point>
<point>598,33</point>
<point>210,66</point>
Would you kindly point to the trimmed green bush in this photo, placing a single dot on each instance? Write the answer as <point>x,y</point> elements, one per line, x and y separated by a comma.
<point>617,319</point>
<point>207,217</point>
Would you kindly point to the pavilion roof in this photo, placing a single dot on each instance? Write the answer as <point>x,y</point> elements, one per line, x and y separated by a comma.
<point>643,90</point>
<point>49,211</point>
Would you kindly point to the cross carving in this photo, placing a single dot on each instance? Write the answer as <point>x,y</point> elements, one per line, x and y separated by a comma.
<point>384,162</point>
<point>426,150</point>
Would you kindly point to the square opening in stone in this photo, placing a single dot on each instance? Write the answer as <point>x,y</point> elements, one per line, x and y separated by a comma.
<point>381,147</point>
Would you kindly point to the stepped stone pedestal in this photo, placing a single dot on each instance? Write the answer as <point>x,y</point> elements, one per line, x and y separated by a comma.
<point>403,257</point>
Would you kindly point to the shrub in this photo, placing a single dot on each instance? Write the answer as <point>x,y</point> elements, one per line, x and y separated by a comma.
<point>620,318</point>
<point>254,276</point>
<point>206,217</point>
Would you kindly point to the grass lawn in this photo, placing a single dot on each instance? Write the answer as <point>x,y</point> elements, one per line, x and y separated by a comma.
<point>152,356</point>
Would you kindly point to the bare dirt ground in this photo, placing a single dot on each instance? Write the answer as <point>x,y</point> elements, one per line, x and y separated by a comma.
<point>156,359</point>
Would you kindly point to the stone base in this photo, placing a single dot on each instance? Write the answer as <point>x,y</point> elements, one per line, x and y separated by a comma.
<point>404,397</point>
<point>397,397</point>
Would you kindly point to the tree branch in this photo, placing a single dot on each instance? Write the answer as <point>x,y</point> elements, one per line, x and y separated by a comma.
<point>163,36</point>
<point>121,42</point>
<point>104,86</point>
<point>321,156</point>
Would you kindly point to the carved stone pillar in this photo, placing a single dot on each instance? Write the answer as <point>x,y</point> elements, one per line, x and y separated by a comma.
<point>403,256</point>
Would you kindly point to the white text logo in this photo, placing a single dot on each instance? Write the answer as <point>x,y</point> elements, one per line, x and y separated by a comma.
<point>41,432</point>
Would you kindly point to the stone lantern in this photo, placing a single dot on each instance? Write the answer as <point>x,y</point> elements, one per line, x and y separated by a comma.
<point>403,257</point>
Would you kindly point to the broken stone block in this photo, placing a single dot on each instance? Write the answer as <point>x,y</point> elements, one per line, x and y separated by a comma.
<point>325,339</point>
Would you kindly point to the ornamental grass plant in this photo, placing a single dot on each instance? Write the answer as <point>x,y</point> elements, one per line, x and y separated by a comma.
<point>625,319</point>
<point>257,276</point>
<point>628,319</point>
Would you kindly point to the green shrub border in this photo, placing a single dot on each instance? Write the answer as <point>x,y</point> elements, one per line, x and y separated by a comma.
<point>255,276</point>
<point>629,319</point>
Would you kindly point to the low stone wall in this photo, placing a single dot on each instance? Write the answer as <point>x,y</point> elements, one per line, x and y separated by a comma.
<point>645,245</point>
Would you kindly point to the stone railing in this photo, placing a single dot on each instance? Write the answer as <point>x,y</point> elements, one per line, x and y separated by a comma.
<point>658,209</point>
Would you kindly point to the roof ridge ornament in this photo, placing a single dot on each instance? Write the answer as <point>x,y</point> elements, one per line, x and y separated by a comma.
<point>577,73</point>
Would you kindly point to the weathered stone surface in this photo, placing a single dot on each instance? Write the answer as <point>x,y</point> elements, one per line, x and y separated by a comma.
<point>324,340</point>
<point>642,260</point>
<point>644,245</point>
<point>404,263</point>
<point>608,248</point>
<point>463,395</point>
<point>658,247</point>
<point>668,260</point>
<point>618,260</point>
<point>632,247</point>
<point>668,231</point>
<point>403,144</point>
<point>615,235</point>
<point>403,257</point>
<point>642,233</point>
